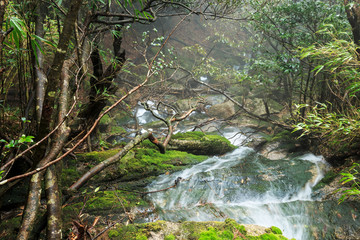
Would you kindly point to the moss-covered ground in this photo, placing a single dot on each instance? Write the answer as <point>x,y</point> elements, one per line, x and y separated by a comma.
<point>9,228</point>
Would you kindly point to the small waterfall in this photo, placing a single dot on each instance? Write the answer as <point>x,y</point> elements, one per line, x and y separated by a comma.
<point>245,186</point>
<point>143,115</point>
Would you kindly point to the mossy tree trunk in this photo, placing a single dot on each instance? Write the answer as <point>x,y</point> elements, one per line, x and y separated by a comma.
<point>54,225</point>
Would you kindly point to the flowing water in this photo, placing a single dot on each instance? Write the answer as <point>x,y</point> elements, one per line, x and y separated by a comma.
<point>244,186</point>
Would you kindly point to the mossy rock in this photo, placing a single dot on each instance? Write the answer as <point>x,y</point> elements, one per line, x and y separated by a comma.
<point>146,162</point>
<point>122,118</point>
<point>196,135</point>
<point>139,163</point>
<point>105,120</point>
<point>201,144</point>
<point>211,230</point>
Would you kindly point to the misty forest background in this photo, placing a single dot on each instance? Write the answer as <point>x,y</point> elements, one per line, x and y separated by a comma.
<point>67,65</point>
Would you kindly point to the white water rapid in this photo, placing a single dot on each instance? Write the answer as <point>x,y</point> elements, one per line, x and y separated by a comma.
<point>244,186</point>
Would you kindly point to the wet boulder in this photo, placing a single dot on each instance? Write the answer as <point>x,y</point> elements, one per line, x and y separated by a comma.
<point>222,110</point>
<point>275,146</point>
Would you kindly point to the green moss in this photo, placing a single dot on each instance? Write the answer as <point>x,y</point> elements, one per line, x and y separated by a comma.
<point>272,236</point>
<point>189,136</point>
<point>147,144</point>
<point>69,175</point>
<point>71,212</point>
<point>194,229</point>
<point>169,237</point>
<point>136,231</point>
<point>114,200</point>
<point>276,230</point>
<point>105,120</point>
<point>148,162</point>
<point>102,203</point>
<point>113,234</point>
<point>141,237</point>
<point>96,156</point>
<point>228,230</point>
<point>139,163</point>
<point>219,142</point>
<point>269,236</point>
<point>155,226</point>
<point>155,124</point>
<point>122,118</point>
<point>130,232</point>
<point>117,130</point>
<point>199,143</point>
<point>9,228</point>
<point>214,234</point>
<point>231,224</point>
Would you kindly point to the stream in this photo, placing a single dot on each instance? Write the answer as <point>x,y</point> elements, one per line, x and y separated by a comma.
<point>247,187</point>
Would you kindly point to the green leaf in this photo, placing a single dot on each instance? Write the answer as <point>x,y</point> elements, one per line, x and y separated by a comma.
<point>44,40</point>
<point>18,26</point>
<point>318,69</point>
<point>148,15</point>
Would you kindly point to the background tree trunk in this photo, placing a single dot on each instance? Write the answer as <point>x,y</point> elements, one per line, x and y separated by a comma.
<point>41,79</point>
<point>353,15</point>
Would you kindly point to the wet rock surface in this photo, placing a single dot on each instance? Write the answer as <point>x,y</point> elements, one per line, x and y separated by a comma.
<point>222,110</point>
